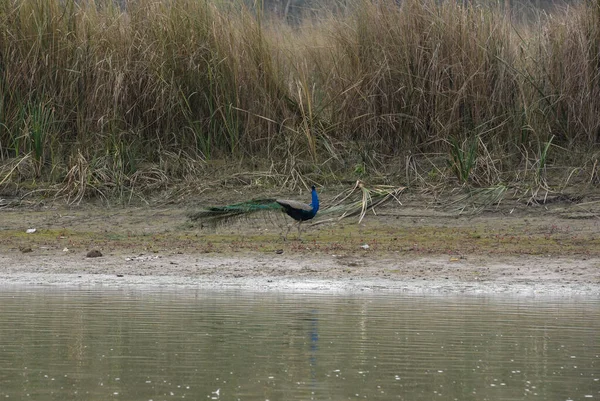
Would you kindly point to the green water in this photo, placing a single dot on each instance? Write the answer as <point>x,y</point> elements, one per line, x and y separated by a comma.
<point>150,344</point>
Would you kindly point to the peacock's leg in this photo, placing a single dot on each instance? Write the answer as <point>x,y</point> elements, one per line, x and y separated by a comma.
<point>299,226</point>
<point>287,231</point>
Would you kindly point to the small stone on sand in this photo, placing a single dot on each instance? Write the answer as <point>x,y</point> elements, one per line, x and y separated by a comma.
<point>94,253</point>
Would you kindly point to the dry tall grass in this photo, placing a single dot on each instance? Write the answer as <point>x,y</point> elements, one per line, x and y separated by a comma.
<point>164,85</point>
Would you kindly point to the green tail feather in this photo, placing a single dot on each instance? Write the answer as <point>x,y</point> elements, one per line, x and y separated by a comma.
<point>221,213</point>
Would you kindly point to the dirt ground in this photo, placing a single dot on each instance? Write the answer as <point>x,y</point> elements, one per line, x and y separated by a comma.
<point>414,247</point>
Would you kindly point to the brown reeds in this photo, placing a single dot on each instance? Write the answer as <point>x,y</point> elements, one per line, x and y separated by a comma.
<point>91,87</point>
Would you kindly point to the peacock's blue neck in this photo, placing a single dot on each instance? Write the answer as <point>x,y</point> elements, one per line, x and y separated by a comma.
<point>315,201</point>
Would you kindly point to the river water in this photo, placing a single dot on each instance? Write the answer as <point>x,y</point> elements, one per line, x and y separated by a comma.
<point>157,344</point>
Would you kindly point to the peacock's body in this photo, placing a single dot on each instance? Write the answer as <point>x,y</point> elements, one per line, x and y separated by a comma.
<point>299,211</point>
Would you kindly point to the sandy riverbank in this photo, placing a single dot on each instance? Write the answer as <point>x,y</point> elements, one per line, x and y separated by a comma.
<point>527,276</point>
<point>549,250</point>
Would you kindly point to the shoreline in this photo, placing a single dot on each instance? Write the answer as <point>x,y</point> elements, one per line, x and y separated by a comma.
<point>322,287</point>
<point>550,250</point>
<point>564,277</point>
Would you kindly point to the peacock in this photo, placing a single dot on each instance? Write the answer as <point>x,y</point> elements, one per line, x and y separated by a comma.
<point>298,211</point>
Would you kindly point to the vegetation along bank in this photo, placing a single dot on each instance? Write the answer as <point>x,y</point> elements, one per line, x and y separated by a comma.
<point>99,99</point>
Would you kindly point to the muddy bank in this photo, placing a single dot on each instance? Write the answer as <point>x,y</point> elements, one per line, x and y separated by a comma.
<point>473,275</point>
<point>554,249</point>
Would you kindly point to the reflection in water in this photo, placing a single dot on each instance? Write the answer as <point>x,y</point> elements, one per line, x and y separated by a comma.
<point>144,345</point>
